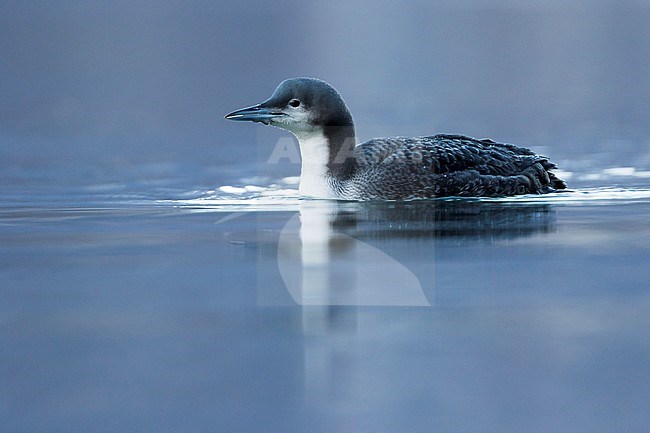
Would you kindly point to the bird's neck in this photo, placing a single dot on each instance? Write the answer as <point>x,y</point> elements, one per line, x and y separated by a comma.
<point>327,160</point>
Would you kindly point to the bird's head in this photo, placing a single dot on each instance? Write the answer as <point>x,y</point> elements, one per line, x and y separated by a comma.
<point>304,106</point>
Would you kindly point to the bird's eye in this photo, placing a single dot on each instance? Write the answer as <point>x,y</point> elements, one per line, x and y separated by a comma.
<point>294,103</point>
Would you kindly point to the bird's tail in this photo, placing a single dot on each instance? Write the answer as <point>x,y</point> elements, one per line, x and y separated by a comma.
<point>556,182</point>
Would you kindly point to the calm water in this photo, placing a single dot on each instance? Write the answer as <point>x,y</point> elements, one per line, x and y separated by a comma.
<point>240,312</point>
<point>159,274</point>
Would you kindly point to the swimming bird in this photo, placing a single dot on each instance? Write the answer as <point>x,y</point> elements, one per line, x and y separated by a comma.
<point>394,168</point>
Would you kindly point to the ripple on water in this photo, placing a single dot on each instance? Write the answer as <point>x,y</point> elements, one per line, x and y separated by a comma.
<point>591,196</point>
<point>274,197</point>
<point>280,198</point>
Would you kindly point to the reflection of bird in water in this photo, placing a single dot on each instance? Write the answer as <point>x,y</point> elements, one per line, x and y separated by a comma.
<point>320,264</point>
<point>469,220</point>
<point>392,168</point>
<point>438,219</point>
<point>343,253</point>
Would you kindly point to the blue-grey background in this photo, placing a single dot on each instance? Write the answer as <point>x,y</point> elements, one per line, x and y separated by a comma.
<point>98,87</point>
<point>124,307</point>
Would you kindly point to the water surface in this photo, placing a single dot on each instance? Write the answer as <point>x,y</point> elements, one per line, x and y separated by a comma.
<point>248,311</point>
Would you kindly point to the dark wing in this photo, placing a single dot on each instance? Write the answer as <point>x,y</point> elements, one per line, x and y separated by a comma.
<point>458,165</point>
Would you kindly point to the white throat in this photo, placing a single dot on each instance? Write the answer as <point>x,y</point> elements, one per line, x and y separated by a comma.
<point>315,181</point>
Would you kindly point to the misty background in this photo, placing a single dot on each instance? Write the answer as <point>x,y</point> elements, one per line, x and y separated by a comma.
<point>116,91</point>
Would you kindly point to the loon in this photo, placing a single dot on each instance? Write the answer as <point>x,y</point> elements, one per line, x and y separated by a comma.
<point>395,168</point>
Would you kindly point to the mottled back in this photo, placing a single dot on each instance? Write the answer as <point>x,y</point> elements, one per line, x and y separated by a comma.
<point>450,165</point>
